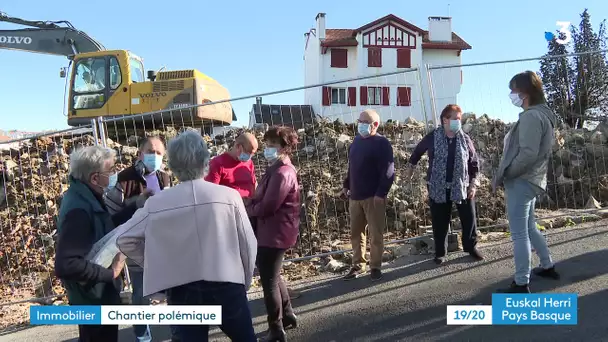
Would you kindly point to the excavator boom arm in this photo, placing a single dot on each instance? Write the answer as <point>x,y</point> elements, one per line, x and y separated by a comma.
<point>47,38</point>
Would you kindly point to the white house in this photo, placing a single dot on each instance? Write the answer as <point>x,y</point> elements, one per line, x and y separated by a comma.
<point>387,45</point>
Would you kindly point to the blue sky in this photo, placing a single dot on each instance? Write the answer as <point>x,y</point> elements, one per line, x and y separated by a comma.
<point>253,47</point>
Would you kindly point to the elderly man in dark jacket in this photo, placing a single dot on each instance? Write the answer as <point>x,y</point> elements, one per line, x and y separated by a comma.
<point>370,176</point>
<point>84,220</point>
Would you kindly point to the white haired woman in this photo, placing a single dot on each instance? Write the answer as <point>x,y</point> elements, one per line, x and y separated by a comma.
<point>195,242</point>
<point>84,220</point>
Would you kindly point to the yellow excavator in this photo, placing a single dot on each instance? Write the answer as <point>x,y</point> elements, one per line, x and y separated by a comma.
<point>111,83</point>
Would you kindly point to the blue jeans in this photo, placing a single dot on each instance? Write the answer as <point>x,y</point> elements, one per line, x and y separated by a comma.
<point>237,323</point>
<point>142,332</point>
<point>521,197</point>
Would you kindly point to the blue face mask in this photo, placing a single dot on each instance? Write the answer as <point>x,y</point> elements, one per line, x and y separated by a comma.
<point>455,125</point>
<point>244,157</point>
<point>112,179</point>
<point>364,129</point>
<point>271,153</point>
<point>153,161</point>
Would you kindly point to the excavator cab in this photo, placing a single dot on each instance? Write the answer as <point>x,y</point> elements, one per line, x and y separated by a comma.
<point>100,85</point>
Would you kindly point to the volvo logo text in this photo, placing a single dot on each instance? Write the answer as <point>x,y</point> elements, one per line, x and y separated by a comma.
<point>152,95</point>
<point>15,40</point>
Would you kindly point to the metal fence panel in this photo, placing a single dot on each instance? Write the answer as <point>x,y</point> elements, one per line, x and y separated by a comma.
<point>34,174</point>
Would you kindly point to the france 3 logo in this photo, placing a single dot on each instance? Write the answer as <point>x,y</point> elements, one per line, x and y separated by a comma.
<point>564,27</point>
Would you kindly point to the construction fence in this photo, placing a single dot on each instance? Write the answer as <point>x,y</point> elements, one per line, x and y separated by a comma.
<point>35,169</point>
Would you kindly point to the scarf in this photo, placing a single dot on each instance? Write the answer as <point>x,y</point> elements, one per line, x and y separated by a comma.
<point>460,179</point>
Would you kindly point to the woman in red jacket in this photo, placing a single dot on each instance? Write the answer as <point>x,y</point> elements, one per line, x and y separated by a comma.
<point>276,208</point>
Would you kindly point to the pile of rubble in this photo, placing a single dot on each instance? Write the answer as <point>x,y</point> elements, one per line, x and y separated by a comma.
<point>34,176</point>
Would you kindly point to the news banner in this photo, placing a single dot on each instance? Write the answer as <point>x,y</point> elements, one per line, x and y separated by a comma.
<point>506,309</point>
<point>126,315</point>
<point>518,309</point>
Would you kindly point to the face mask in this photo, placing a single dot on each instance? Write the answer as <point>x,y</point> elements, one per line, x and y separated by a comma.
<point>244,157</point>
<point>271,153</point>
<point>364,129</point>
<point>516,100</point>
<point>455,125</point>
<point>112,179</point>
<point>153,161</point>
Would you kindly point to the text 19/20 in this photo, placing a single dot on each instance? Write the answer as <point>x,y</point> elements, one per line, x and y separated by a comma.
<point>469,315</point>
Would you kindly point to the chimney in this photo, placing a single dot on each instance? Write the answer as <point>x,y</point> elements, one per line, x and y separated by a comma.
<point>258,101</point>
<point>440,29</point>
<point>320,26</point>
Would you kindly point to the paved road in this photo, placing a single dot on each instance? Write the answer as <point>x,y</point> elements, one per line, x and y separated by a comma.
<point>409,303</point>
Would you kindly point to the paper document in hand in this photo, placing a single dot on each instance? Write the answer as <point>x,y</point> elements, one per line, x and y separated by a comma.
<point>104,250</point>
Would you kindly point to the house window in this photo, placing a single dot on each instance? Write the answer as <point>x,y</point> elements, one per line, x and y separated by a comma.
<point>338,95</point>
<point>374,57</point>
<point>374,95</point>
<point>339,58</point>
<point>404,58</point>
<point>404,96</point>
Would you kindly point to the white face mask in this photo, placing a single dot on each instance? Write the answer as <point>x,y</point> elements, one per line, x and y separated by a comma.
<point>516,100</point>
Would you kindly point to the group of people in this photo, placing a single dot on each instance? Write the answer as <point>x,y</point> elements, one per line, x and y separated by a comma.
<point>217,212</point>
<point>199,241</point>
<point>452,179</point>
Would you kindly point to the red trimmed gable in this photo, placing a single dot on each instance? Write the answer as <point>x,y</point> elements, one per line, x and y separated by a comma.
<point>389,35</point>
<point>347,37</point>
<point>393,18</point>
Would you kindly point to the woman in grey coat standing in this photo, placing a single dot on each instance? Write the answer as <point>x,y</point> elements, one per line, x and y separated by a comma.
<point>523,173</point>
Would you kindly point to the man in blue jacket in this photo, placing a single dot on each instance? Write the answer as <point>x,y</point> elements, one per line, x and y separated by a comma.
<point>371,172</point>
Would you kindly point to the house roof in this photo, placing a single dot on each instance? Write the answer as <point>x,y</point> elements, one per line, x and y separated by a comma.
<point>296,116</point>
<point>394,18</point>
<point>348,37</point>
<point>457,43</point>
<point>340,37</point>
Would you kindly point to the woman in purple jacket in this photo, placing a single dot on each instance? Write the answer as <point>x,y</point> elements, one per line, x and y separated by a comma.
<point>276,208</point>
<point>451,179</point>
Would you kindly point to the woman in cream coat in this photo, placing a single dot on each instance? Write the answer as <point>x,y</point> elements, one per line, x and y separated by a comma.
<point>195,242</point>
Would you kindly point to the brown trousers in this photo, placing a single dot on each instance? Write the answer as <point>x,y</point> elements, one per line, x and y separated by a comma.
<point>366,213</point>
